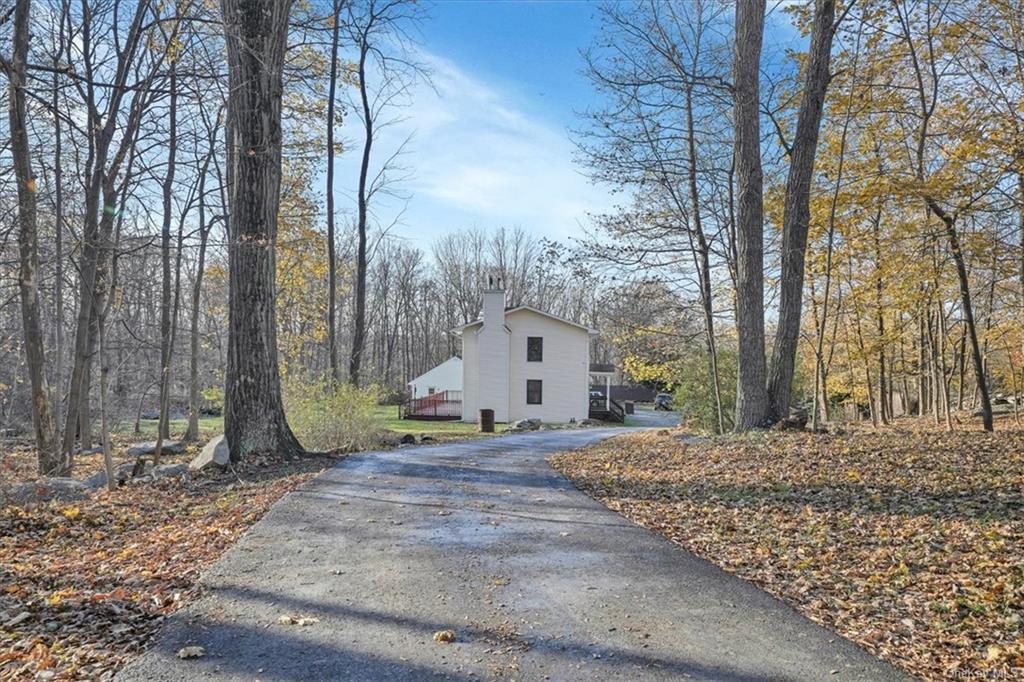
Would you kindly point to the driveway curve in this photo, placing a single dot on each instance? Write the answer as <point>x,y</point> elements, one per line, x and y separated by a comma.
<point>483,538</point>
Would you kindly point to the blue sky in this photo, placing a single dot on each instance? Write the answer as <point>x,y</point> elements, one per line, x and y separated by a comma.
<point>490,141</point>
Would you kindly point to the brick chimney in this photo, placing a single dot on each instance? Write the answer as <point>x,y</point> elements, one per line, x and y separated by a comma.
<point>494,301</point>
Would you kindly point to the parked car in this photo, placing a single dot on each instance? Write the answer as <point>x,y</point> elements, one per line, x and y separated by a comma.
<point>663,401</point>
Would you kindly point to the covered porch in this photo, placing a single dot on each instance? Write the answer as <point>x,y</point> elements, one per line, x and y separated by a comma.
<point>601,404</point>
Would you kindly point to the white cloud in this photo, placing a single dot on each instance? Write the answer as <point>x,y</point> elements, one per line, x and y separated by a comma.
<point>480,157</point>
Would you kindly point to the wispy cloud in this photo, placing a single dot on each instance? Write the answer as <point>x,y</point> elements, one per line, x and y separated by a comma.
<point>480,156</point>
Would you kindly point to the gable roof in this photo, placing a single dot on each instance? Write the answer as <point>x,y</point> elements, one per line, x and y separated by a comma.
<point>528,308</point>
<point>454,358</point>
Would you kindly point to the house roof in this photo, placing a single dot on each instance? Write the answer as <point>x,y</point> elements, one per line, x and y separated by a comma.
<point>520,308</point>
<point>454,358</point>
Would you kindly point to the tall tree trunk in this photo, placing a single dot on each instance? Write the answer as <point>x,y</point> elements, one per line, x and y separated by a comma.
<point>797,212</point>
<point>751,394</point>
<point>332,261</point>
<point>1020,213</point>
<point>704,261</point>
<point>192,433</point>
<point>58,199</point>
<point>876,224</point>
<point>922,361</point>
<point>166,348</point>
<point>359,316</point>
<point>254,420</point>
<point>968,309</point>
<point>108,458</point>
<point>28,245</point>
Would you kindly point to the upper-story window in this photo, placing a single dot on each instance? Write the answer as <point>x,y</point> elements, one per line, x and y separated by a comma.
<point>534,348</point>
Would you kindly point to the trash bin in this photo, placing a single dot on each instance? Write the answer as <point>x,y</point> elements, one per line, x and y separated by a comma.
<point>486,421</point>
<point>629,407</point>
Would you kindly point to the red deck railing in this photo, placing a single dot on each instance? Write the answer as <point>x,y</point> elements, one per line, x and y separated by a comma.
<point>443,405</point>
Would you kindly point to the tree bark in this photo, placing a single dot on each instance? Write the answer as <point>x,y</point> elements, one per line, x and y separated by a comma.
<point>28,245</point>
<point>166,346</point>
<point>359,317</point>
<point>965,297</point>
<point>751,394</point>
<point>703,260</point>
<point>254,420</point>
<point>192,433</point>
<point>797,211</point>
<point>332,274</point>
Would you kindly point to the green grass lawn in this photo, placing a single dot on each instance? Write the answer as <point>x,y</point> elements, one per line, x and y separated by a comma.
<point>208,427</point>
<point>388,415</point>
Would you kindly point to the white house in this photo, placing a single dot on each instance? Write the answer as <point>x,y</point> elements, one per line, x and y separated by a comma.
<point>524,363</point>
<point>445,377</point>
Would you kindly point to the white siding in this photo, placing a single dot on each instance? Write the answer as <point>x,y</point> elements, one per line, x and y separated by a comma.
<point>445,377</point>
<point>493,371</point>
<point>563,371</point>
<point>470,375</point>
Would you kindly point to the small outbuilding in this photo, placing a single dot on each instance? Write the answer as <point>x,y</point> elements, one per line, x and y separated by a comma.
<point>445,377</point>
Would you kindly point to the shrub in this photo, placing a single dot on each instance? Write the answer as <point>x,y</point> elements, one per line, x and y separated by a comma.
<point>329,416</point>
<point>694,391</point>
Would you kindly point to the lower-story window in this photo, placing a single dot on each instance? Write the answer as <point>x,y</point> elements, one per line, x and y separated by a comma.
<point>534,390</point>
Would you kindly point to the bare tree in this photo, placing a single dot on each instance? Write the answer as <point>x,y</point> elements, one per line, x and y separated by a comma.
<point>332,259</point>
<point>16,69</point>
<point>378,30</point>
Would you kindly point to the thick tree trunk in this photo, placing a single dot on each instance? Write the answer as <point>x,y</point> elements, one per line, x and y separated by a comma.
<point>751,394</point>
<point>797,211</point>
<point>28,245</point>
<point>254,418</point>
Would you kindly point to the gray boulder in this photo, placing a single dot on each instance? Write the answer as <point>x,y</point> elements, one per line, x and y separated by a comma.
<point>169,471</point>
<point>533,424</point>
<point>407,439</point>
<point>175,447</point>
<point>214,454</point>
<point>46,489</point>
<point>122,473</point>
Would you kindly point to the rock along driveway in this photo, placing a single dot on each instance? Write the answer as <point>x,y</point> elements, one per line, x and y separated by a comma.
<point>483,538</point>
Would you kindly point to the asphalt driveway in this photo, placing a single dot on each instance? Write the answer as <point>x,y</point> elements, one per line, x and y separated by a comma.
<point>536,580</point>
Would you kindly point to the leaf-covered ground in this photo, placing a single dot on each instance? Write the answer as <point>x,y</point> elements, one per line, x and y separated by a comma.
<point>909,543</point>
<point>84,585</point>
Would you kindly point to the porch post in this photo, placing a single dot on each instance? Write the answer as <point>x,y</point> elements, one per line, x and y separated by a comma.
<point>607,393</point>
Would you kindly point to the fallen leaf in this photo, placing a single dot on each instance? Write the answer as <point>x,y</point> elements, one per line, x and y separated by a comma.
<point>444,636</point>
